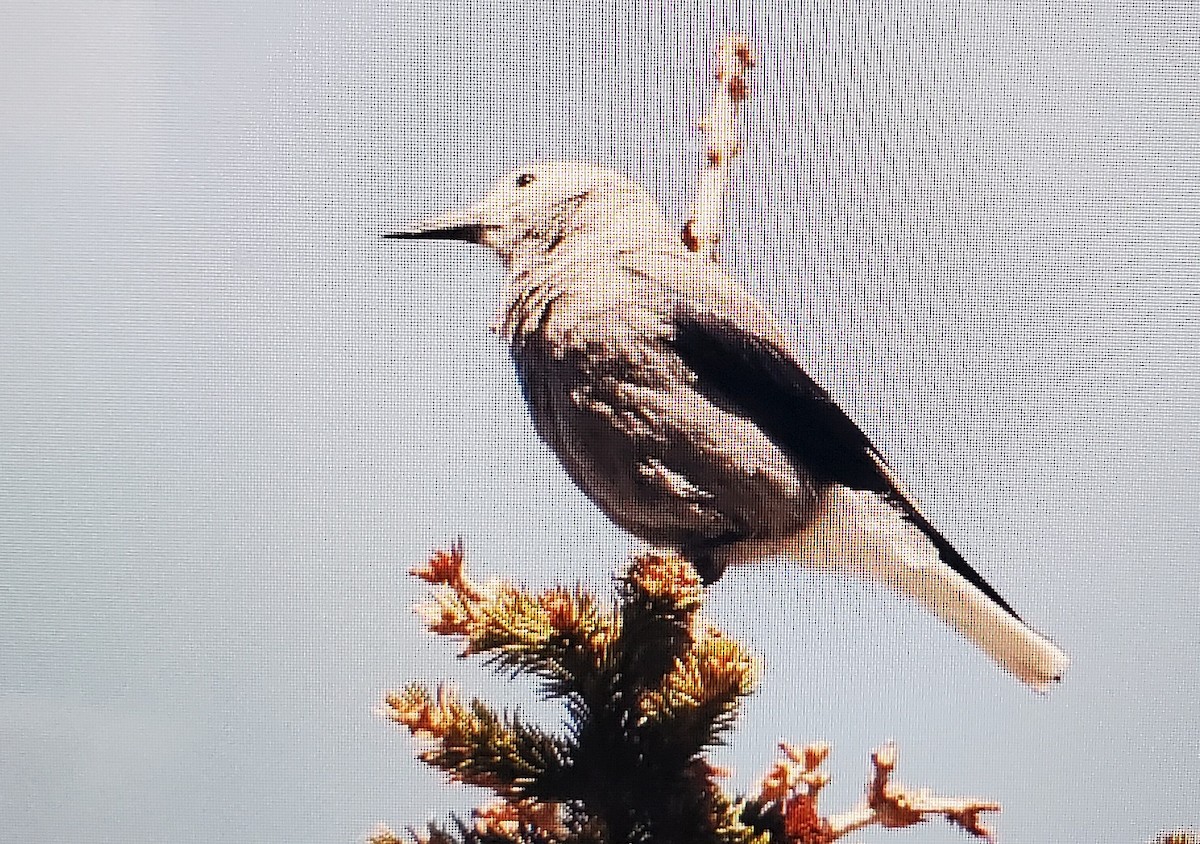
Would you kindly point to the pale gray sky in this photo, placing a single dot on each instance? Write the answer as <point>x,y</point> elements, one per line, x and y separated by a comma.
<point>231,417</point>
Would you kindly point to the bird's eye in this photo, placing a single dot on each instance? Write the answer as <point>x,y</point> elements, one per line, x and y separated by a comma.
<point>524,179</point>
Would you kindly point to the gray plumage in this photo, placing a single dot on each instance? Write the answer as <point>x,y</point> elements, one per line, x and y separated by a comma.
<point>673,400</point>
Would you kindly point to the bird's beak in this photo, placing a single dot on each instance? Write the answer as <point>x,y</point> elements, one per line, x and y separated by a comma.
<point>457,225</point>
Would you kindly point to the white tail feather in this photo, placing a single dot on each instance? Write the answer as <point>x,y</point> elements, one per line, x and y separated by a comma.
<point>861,533</point>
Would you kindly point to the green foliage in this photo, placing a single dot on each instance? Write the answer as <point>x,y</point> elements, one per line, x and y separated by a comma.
<point>646,688</point>
<point>479,747</point>
<point>559,637</point>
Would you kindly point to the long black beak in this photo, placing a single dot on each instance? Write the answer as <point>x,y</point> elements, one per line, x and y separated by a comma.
<point>454,226</point>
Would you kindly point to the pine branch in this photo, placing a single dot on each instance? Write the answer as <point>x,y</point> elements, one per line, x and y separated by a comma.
<point>558,636</point>
<point>699,699</point>
<point>659,595</point>
<point>1178,836</point>
<point>475,745</point>
<point>519,822</point>
<point>661,699</point>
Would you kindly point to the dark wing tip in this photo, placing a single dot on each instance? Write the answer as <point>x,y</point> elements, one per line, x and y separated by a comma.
<point>469,233</point>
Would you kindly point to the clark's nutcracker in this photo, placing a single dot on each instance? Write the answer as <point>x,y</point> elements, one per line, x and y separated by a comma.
<point>673,400</point>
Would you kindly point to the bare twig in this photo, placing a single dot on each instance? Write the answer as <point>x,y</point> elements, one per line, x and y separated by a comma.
<point>702,231</point>
<point>888,804</point>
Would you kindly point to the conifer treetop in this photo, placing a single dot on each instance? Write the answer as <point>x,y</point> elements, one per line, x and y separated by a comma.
<point>648,687</point>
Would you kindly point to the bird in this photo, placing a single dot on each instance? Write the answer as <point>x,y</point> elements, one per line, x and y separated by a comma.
<point>676,403</point>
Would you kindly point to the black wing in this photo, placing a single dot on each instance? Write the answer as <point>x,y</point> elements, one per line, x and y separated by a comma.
<point>757,379</point>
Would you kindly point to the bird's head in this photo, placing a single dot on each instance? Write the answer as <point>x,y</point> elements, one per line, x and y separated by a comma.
<point>534,209</point>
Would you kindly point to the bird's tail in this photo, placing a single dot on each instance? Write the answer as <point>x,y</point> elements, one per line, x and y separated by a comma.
<point>863,533</point>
